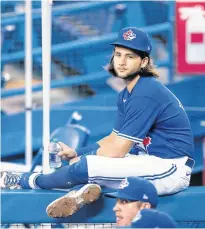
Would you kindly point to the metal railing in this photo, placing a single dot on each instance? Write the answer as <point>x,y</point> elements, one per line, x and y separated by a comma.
<point>58,10</point>
<point>90,44</point>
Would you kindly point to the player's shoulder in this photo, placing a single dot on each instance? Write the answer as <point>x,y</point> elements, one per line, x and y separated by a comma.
<point>151,81</point>
<point>150,86</point>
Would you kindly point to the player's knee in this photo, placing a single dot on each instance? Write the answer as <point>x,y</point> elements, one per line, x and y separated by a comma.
<point>79,170</point>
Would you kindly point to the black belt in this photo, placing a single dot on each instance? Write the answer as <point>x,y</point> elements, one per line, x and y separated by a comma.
<point>190,163</point>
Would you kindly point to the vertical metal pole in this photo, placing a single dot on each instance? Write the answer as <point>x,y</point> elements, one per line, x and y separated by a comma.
<point>46,65</point>
<point>203,171</point>
<point>171,39</point>
<point>28,82</point>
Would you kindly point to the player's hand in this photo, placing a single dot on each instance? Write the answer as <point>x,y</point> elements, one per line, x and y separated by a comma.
<point>67,152</point>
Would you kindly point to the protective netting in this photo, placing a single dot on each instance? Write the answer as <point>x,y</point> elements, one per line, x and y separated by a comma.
<point>63,225</point>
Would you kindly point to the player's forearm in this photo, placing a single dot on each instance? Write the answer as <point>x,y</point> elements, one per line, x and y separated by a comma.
<point>106,140</point>
<point>106,147</point>
<point>109,151</point>
<point>114,147</point>
<point>91,149</point>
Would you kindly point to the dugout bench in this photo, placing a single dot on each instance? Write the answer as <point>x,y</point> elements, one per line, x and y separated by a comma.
<point>28,206</point>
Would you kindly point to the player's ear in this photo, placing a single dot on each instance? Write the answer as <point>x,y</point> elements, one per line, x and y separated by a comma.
<point>145,62</point>
<point>145,205</point>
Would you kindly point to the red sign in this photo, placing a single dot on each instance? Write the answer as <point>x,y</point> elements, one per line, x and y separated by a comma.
<point>190,22</point>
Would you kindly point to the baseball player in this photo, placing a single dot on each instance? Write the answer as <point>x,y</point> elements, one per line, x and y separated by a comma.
<point>150,218</point>
<point>151,137</point>
<point>133,195</point>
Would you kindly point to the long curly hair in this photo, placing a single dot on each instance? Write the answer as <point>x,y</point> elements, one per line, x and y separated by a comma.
<point>148,71</point>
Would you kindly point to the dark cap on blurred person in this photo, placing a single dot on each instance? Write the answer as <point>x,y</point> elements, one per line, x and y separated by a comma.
<point>150,218</point>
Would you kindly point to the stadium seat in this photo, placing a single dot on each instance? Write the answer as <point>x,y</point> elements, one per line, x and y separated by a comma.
<point>73,135</point>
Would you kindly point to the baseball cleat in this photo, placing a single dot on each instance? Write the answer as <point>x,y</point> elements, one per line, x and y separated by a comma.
<point>74,200</point>
<point>10,180</point>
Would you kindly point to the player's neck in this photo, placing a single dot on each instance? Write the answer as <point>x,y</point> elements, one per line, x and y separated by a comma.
<point>130,84</point>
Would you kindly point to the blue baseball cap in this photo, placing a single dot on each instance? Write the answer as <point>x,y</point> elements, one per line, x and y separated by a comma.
<point>136,189</point>
<point>133,38</point>
<point>150,218</point>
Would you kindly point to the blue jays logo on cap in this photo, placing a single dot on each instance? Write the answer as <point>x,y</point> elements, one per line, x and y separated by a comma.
<point>133,38</point>
<point>124,184</point>
<point>129,35</point>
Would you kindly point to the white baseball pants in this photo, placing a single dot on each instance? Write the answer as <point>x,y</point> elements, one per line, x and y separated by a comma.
<point>168,175</point>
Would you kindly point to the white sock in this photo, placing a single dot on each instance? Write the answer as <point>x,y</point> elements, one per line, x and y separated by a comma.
<point>32,180</point>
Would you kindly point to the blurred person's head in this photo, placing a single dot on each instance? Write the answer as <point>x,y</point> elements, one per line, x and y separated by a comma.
<point>133,195</point>
<point>131,56</point>
<point>150,218</point>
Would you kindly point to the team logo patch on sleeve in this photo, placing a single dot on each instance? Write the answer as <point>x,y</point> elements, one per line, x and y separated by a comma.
<point>146,141</point>
<point>129,35</point>
<point>143,146</point>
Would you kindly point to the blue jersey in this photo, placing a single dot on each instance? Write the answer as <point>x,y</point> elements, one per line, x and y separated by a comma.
<point>154,119</point>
